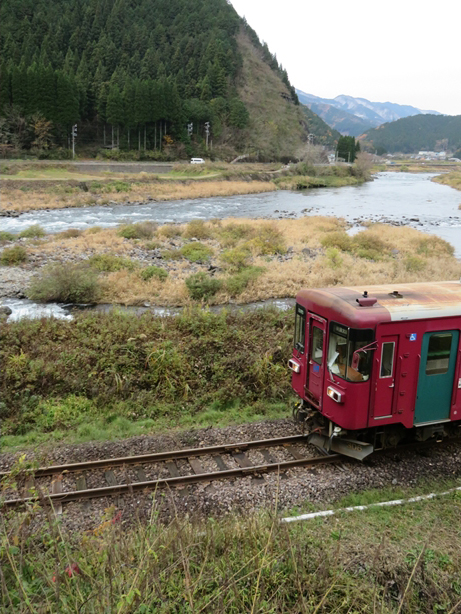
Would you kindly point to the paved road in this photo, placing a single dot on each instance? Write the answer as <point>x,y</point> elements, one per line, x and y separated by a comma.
<point>99,165</point>
<point>124,167</point>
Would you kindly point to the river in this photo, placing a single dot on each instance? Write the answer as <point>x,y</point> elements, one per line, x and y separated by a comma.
<point>396,197</point>
<point>411,199</point>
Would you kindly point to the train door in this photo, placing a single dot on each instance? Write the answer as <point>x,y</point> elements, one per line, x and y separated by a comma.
<point>317,329</point>
<point>386,357</point>
<point>436,373</point>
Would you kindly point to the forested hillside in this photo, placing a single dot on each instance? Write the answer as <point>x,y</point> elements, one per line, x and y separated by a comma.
<point>323,133</point>
<point>145,74</point>
<point>420,132</point>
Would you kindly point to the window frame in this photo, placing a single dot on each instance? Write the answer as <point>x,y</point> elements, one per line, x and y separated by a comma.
<point>300,329</point>
<point>439,334</point>
<point>381,376</point>
<point>317,360</point>
<point>338,329</point>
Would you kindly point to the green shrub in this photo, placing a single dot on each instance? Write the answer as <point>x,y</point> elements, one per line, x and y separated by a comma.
<point>303,168</point>
<point>13,255</point>
<point>70,233</point>
<point>342,171</point>
<point>171,254</point>
<point>202,287</point>
<point>154,271</point>
<point>170,231</point>
<point>334,257</point>
<point>196,252</point>
<point>96,187</point>
<point>268,240</point>
<point>337,239</point>
<point>121,186</point>
<point>53,414</point>
<point>413,264</point>
<point>237,283</point>
<point>94,230</point>
<point>236,258</point>
<point>6,236</point>
<point>197,229</point>
<point>65,283</point>
<point>368,245</point>
<point>434,246</point>
<point>140,230</point>
<point>108,263</point>
<point>152,245</point>
<point>33,232</point>
<point>232,233</point>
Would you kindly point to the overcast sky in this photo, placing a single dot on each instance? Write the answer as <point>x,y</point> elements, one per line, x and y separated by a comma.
<point>403,51</point>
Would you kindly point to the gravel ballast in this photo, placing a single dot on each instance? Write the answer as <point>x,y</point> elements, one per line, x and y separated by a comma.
<point>294,489</point>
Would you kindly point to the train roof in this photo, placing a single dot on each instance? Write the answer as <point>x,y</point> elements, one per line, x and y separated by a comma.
<point>394,302</point>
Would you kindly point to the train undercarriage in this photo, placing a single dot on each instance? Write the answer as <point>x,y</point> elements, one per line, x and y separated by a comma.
<point>330,438</point>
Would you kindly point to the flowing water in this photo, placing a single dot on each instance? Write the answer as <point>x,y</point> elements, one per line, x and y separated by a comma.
<point>411,199</point>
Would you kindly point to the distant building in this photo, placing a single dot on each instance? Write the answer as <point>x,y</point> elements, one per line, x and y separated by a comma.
<point>432,155</point>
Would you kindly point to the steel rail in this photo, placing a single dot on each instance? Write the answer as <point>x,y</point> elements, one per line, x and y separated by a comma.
<point>119,489</point>
<point>158,457</point>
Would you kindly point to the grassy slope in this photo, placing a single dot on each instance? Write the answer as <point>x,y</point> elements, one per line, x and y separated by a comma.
<point>160,373</point>
<point>391,560</point>
<point>277,125</point>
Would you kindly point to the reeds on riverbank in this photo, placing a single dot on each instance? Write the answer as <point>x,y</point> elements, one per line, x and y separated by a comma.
<point>253,259</point>
<point>15,197</point>
<point>452,179</point>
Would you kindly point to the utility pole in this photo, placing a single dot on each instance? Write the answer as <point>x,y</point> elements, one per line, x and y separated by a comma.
<point>74,134</point>
<point>207,132</point>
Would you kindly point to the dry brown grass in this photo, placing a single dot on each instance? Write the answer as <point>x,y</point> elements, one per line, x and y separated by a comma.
<point>452,179</point>
<point>406,255</point>
<point>89,242</point>
<point>13,198</point>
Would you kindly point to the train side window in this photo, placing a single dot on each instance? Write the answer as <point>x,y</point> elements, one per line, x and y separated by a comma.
<point>387,359</point>
<point>317,345</point>
<point>438,353</point>
<point>300,329</point>
<point>345,357</point>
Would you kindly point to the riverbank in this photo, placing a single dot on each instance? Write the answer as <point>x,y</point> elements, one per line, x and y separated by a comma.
<point>452,179</point>
<point>34,187</point>
<point>216,262</point>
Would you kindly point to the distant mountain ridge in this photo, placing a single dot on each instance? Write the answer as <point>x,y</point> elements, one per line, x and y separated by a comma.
<point>353,116</point>
<point>418,132</point>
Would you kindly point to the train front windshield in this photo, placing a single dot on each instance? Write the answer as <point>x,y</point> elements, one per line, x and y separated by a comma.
<point>344,356</point>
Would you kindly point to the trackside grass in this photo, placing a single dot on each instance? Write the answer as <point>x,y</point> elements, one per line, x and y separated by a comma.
<point>388,560</point>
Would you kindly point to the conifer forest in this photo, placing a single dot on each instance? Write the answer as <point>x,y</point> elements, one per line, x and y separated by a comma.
<point>134,74</point>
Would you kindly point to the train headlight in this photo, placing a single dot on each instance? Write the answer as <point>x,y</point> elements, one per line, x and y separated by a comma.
<point>335,395</point>
<point>294,366</point>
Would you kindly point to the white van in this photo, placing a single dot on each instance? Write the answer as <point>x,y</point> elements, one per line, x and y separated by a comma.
<point>197,161</point>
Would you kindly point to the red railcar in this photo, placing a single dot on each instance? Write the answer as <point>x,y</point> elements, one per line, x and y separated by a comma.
<point>376,366</point>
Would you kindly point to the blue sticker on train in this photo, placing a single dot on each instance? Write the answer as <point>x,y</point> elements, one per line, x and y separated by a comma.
<point>413,337</point>
<point>316,368</point>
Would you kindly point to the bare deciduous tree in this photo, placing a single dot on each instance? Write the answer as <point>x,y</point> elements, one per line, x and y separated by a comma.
<point>363,164</point>
<point>42,129</point>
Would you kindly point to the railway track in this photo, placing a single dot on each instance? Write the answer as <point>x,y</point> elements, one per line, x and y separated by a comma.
<point>167,462</point>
